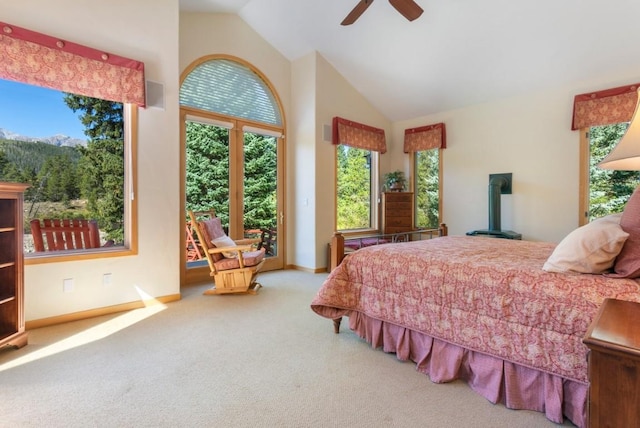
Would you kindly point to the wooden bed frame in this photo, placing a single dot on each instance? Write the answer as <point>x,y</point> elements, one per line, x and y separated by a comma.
<point>338,250</point>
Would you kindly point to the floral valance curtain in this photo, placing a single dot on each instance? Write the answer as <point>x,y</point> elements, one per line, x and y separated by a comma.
<point>357,135</point>
<point>604,107</point>
<point>425,138</point>
<point>41,60</point>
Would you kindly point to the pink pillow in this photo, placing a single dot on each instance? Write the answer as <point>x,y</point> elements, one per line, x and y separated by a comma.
<point>214,228</point>
<point>627,264</point>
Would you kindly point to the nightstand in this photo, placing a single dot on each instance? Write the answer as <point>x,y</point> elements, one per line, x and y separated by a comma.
<point>613,339</point>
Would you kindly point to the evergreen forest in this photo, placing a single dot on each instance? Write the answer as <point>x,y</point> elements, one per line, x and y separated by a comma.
<point>207,174</point>
<point>74,182</point>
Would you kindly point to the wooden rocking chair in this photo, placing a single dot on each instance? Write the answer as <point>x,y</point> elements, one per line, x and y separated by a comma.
<point>234,265</point>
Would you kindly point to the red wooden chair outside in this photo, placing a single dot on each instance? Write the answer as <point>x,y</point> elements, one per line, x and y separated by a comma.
<point>65,234</point>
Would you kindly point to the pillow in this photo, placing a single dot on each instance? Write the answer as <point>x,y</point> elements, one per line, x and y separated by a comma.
<point>627,265</point>
<point>591,248</point>
<point>214,228</point>
<point>225,241</point>
<point>215,233</point>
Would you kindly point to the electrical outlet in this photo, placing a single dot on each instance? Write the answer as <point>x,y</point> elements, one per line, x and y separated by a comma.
<point>106,279</point>
<point>67,285</point>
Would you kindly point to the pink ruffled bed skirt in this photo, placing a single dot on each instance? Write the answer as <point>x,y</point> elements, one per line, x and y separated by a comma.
<point>499,381</point>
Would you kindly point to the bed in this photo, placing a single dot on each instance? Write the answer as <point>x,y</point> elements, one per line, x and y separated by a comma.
<point>481,310</point>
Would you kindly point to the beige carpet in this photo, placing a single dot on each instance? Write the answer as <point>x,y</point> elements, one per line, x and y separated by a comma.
<point>228,361</point>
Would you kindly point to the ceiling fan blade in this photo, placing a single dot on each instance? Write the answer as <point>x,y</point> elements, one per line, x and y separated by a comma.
<point>408,8</point>
<point>356,12</point>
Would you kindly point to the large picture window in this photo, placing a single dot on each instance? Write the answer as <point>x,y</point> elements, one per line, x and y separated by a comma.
<point>81,193</point>
<point>75,153</point>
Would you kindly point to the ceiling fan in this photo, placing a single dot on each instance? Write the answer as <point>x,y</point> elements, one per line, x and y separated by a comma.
<point>408,8</point>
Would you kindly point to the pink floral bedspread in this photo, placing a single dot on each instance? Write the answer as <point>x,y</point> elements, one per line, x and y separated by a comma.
<point>485,294</point>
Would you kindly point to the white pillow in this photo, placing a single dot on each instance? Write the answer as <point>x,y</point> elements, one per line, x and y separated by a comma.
<point>591,248</point>
<point>225,241</point>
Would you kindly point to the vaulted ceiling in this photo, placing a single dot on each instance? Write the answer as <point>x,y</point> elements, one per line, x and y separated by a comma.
<point>458,52</point>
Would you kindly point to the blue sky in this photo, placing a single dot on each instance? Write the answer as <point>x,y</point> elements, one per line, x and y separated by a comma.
<point>36,112</point>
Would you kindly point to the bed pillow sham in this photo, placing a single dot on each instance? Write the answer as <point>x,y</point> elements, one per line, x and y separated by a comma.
<point>591,248</point>
<point>627,264</point>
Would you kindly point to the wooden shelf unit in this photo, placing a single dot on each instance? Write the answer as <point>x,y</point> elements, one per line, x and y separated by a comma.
<point>397,214</point>
<point>12,331</point>
<point>613,340</point>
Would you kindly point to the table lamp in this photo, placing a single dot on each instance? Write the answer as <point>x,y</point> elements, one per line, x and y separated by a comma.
<point>626,154</point>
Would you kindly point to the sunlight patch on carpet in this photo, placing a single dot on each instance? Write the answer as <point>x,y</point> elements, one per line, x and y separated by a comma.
<point>89,335</point>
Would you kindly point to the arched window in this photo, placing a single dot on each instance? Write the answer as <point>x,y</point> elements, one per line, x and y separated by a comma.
<point>230,88</point>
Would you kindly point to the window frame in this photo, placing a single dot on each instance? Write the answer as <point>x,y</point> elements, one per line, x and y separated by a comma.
<point>413,159</point>
<point>130,116</point>
<point>374,221</point>
<point>584,159</point>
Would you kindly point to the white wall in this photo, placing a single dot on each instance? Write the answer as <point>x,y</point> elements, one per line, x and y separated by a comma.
<point>146,30</point>
<point>303,207</point>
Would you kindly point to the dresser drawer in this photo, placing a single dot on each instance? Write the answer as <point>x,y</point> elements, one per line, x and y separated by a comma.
<point>399,212</point>
<point>398,197</point>
<point>398,222</point>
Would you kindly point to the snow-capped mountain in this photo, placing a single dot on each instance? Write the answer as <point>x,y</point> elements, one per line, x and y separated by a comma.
<point>57,140</point>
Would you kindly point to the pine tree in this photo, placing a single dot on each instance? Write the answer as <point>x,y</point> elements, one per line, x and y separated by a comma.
<point>101,167</point>
<point>608,190</point>
<point>427,189</point>
<point>207,175</point>
<point>354,188</point>
<point>260,178</point>
<point>207,169</point>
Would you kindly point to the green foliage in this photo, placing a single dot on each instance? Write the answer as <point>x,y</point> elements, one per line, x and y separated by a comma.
<point>608,190</point>
<point>58,179</point>
<point>207,170</point>
<point>102,119</point>
<point>22,161</point>
<point>354,188</point>
<point>101,179</point>
<point>260,179</point>
<point>427,189</point>
<point>101,168</point>
<point>207,174</point>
